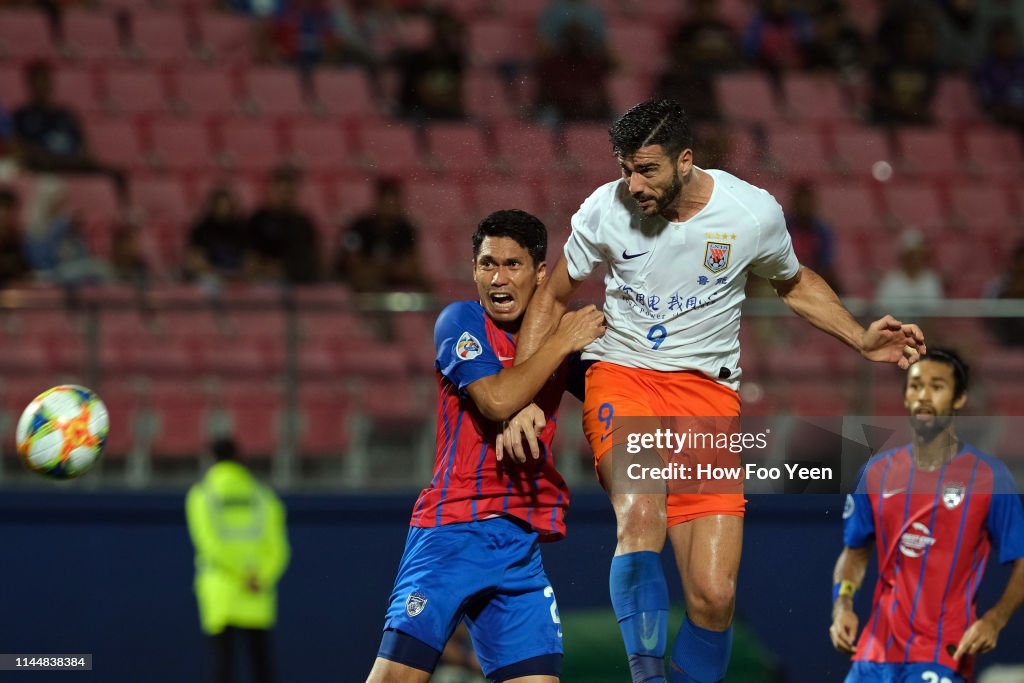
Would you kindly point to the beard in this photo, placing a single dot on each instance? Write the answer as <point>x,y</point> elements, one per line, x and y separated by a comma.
<point>928,429</point>
<point>671,194</point>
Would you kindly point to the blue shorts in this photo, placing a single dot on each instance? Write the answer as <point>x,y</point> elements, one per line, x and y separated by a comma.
<point>915,672</point>
<point>488,573</point>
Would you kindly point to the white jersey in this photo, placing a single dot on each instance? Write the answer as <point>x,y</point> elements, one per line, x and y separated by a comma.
<point>673,290</point>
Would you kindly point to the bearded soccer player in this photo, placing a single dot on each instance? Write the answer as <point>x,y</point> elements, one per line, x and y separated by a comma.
<point>679,242</point>
<point>473,550</point>
<point>935,508</point>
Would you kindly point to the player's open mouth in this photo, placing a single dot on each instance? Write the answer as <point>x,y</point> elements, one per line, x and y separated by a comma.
<point>502,301</point>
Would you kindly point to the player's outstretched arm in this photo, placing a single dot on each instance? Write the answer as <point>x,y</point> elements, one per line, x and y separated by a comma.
<point>984,633</point>
<point>499,396</point>
<point>548,304</point>
<point>848,574</point>
<point>885,340</point>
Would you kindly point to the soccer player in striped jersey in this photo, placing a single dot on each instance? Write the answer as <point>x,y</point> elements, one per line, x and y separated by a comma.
<point>934,508</point>
<point>473,550</point>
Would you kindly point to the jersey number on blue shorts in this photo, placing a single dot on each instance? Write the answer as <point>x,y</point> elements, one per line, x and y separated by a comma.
<point>932,677</point>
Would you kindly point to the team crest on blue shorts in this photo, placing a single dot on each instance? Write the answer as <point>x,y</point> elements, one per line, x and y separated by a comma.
<point>415,604</point>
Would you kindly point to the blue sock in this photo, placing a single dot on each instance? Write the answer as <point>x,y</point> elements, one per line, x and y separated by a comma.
<point>700,655</point>
<point>640,599</point>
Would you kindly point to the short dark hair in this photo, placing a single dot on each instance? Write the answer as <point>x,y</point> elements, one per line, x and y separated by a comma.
<point>961,372</point>
<point>654,122</point>
<point>224,448</point>
<point>525,228</point>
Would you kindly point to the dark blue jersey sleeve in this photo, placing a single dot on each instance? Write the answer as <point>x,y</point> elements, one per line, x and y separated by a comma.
<point>460,338</point>
<point>858,518</point>
<point>1005,521</point>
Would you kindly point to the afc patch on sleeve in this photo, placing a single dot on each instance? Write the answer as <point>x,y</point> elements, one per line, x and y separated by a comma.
<point>468,347</point>
<point>849,507</point>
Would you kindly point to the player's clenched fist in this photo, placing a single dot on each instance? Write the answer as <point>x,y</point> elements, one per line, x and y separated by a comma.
<point>844,630</point>
<point>579,328</point>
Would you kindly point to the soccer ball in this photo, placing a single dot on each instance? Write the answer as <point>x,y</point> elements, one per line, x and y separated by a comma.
<point>62,431</point>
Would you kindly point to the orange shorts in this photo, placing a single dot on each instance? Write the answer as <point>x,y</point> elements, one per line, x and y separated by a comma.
<point>615,391</point>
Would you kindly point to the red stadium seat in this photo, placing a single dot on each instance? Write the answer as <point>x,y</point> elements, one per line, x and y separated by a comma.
<point>983,209</point>
<point>276,91</point>
<point>344,92</point>
<point>438,206</point>
<point>162,37</point>
<point>525,149</point>
<point>255,412</point>
<point>12,86</point>
<point>181,145</point>
<point>626,90</point>
<point>800,152</point>
<point>91,36</point>
<point>136,92</point>
<point>325,422</point>
<point>123,409</point>
<point>858,149</point>
<point>321,147</point>
<point>250,146</point>
<point>746,96</point>
<point>355,197</point>
<point>115,142</point>
<point>496,41</point>
<point>163,201</point>
<point>494,196</point>
<point>390,148</point>
<point>460,148</point>
<point>181,418</point>
<point>850,207</point>
<point>955,102</point>
<point>76,88</point>
<point>587,144</point>
<point>486,98</point>
<point>928,153</point>
<point>814,99</point>
<point>637,46</point>
<point>995,152</point>
<point>93,199</point>
<point>206,92</point>
<point>228,37</point>
<point>916,206</point>
<point>24,35</point>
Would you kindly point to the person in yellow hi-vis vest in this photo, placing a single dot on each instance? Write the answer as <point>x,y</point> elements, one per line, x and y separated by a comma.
<point>238,529</point>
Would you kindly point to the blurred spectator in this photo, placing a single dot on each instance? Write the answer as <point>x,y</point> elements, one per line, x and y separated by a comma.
<point>572,79</point>
<point>14,267</point>
<point>813,238</point>
<point>303,35</point>
<point>131,261</point>
<point>778,37</point>
<point>561,14</point>
<point>961,33</point>
<point>912,285</point>
<point>218,240</point>
<point>905,81</point>
<point>362,29</point>
<point>48,137</point>
<point>255,8</point>
<point>282,238</point>
<point>6,131</point>
<point>702,47</point>
<point>1000,79</point>
<point>1010,285</point>
<point>431,76</point>
<point>54,243</point>
<point>837,45</point>
<point>378,251</point>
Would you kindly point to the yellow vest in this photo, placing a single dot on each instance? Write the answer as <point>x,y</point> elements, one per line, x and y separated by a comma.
<point>238,530</point>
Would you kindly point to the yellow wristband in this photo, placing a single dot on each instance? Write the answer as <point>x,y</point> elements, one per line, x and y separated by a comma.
<point>847,588</point>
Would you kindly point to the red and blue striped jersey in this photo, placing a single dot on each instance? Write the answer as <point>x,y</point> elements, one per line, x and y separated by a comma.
<point>934,531</point>
<point>468,483</point>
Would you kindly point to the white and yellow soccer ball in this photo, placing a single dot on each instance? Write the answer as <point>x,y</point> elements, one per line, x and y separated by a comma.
<point>62,432</point>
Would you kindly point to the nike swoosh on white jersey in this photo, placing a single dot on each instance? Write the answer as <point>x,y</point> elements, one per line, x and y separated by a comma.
<point>890,494</point>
